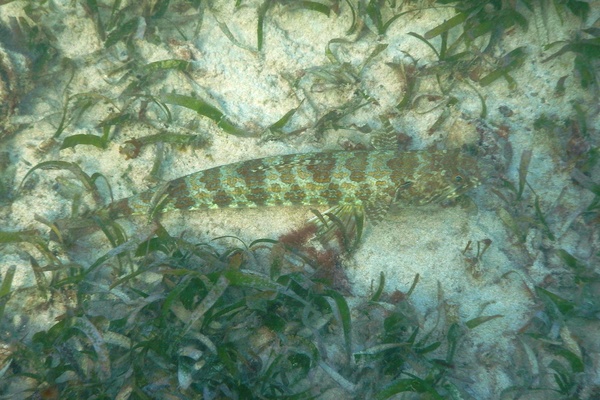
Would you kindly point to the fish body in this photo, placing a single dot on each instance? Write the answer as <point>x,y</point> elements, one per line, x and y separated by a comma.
<point>370,179</point>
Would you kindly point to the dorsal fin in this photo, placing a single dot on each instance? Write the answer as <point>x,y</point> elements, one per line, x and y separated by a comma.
<point>385,138</point>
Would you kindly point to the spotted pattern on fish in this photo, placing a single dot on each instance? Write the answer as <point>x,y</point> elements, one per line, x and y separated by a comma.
<point>371,179</point>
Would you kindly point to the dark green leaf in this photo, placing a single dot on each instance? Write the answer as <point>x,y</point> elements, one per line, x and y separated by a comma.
<point>205,109</point>
<point>504,21</point>
<point>373,11</point>
<point>446,26</point>
<point>574,360</point>
<point>277,126</point>
<point>344,314</point>
<point>563,305</point>
<point>354,24</point>
<point>95,337</point>
<point>378,49</point>
<point>95,14</point>
<point>160,8</point>
<point>415,385</point>
<point>510,61</point>
<point>453,335</point>
<point>73,168</point>
<point>523,169</point>
<point>571,261</point>
<point>393,19</point>
<point>262,12</point>
<point>213,295</point>
<point>122,31</point>
<point>475,322</point>
<point>586,70</point>
<point>178,65</point>
<point>88,140</point>
<point>540,216</point>
<point>7,280</point>
<point>225,29</point>
<point>421,38</point>
<point>428,349</point>
<point>314,6</point>
<point>379,290</point>
<point>200,106</point>
<point>579,8</point>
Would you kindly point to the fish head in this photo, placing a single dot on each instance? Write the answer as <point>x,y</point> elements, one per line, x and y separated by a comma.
<point>463,174</point>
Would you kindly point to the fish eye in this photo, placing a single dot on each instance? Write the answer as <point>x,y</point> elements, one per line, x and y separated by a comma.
<point>458,178</point>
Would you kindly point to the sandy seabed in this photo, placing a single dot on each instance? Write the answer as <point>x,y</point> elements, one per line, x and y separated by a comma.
<point>254,90</point>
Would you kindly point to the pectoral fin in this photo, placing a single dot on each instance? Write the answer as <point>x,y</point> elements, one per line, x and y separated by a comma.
<point>377,210</point>
<point>346,222</point>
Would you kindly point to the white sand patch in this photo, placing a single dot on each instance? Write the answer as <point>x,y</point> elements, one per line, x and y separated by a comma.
<point>255,89</point>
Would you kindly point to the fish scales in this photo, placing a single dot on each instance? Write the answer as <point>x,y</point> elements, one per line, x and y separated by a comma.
<point>337,178</point>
